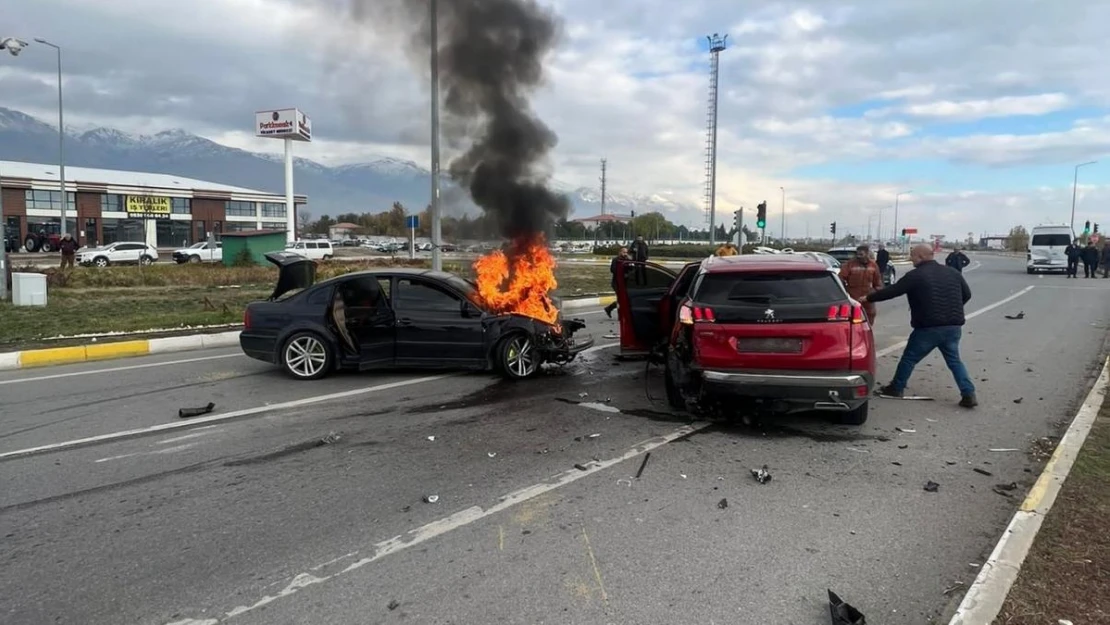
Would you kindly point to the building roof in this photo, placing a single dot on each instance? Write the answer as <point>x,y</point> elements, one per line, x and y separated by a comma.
<point>346,224</point>
<point>40,172</point>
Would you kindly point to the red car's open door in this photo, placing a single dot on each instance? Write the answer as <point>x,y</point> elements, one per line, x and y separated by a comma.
<point>641,288</point>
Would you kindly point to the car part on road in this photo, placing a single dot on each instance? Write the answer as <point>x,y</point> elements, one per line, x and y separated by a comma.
<point>431,498</point>
<point>982,472</point>
<point>905,397</point>
<point>722,504</point>
<point>843,613</point>
<point>931,486</point>
<point>906,430</point>
<point>1020,315</point>
<point>761,475</point>
<point>643,464</point>
<point>185,413</point>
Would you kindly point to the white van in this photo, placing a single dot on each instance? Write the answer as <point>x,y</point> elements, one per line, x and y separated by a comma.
<point>1046,248</point>
<point>316,249</point>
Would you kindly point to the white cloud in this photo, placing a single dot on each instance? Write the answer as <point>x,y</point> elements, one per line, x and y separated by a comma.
<point>1008,106</point>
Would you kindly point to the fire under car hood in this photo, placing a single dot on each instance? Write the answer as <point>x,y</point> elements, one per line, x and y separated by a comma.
<point>294,272</point>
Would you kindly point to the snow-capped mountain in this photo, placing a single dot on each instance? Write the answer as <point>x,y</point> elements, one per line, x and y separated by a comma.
<point>361,187</point>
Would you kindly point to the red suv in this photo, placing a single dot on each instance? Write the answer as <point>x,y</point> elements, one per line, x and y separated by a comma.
<point>768,332</point>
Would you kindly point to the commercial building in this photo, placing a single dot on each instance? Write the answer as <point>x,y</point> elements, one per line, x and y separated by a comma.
<point>105,206</point>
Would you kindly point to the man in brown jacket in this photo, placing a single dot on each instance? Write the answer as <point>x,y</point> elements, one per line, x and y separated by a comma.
<point>68,247</point>
<point>861,277</point>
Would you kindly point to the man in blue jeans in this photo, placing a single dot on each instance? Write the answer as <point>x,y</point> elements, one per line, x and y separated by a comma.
<point>937,295</point>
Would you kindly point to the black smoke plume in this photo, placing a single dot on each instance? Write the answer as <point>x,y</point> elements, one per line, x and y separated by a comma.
<point>491,55</point>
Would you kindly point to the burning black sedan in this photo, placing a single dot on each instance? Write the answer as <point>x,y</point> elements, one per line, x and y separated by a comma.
<point>403,318</point>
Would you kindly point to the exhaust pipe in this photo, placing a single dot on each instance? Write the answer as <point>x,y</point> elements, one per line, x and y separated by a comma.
<point>834,403</point>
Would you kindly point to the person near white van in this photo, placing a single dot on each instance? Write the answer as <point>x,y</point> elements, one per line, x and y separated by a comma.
<point>1073,252</point>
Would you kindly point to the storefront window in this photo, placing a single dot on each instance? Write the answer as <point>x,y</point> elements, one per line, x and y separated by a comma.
<point>181,205</point>
<point>123,230</point>
<point>91,239</point>
<point>239,209</point>
<point>273,209</point>
<point>48,200</point>
<point>239,226</point>
<point>273,225</point>
<point>172,233</point>
<point>111,202</point>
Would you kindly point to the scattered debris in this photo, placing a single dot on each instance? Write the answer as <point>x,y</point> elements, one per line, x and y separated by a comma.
<point>949,462</point>
<point>492,454</point>
<point>1007,487</point>
<point>593,435</point>
<point>393,605</point>
<point>581,467</point>
<point>627,482</point>
<point>953,588</point>
<point>610,336</point>
<point>982,472</point>
<point>1029,369</point>
<point>897,464</point>
<point>903,447</point>
<point>931,486</point>
<point>930,420</point>
<point>722,504</point>
<point>682,475</point>
<point>1018,400</point>
<point>406,509</point>
<point>643,464</point>
<point>762,475</point>
<point>843,613</point>
<point>1064,621</point>
<point>857,450</point>
<point>1001,449</point>
<point>1020,315</point>
<point>332,437</point>
<point>185,413</point>
<point>583,394</point>
<point>906,430</point>
<point>432,438</point>
<point>431,498</point>
<point>997,491</point>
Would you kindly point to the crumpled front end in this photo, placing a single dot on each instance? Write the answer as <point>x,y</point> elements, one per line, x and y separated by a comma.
<point>557,342</point>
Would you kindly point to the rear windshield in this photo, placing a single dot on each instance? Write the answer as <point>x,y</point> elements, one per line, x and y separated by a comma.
<point>1046,240</point>
<point>722,289</point>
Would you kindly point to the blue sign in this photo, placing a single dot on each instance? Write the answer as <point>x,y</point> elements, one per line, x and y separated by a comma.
<point>412,222</point>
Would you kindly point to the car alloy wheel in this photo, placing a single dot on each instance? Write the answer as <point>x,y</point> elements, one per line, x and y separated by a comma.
<point>194,259</point>
<point>101,262</point>
<point>306,357</point>
<point>519,357</point>
<point>146,260</point>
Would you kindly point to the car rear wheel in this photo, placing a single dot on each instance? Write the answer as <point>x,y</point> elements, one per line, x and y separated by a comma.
<point>517,357</point>
<point>306,356</point>
<point>1029,270</point>
<point>101,261</point>
<point>146,260</point>
<point>194,259</point>
<point>854,417</point>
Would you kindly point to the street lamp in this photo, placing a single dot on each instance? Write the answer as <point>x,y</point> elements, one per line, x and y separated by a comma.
<point>14,47</point>
<point>61,135</point>
<point>437,238</point>
<point>1074,186</point>
<point>782,234</point>
<point>896,196</point>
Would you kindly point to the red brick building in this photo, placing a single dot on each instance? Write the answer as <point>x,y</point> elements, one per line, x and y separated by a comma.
<point>107,205</point>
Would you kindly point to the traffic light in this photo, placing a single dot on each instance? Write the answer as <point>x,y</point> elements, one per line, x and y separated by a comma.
<point>1087,227</point>
<point>903,233</point>
<point>832,229</point>
<point>761,215</point>
<point>737,221</point>
<point>1096,228</point>
<point>633,214</point>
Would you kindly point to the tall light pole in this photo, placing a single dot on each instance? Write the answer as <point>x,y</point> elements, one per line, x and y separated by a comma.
<point>879,229</point>
<point>61,136</point>
<point>717,44</point>
<point>896,197</point>
<point>782,232</point>
<point>1074,186</point>
<point>14,47</point>
<point>437,238</point>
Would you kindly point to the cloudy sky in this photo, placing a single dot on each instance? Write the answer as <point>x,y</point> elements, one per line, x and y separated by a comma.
<point>981,108</point>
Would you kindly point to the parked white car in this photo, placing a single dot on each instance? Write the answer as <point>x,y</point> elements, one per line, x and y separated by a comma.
<point>200,253</point>
<point>119,253</point>
<point>312,249</point>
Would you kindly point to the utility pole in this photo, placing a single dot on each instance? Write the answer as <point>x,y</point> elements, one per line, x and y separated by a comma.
<point>717,44</point>
<point>782,235</point>
<point>437,232</point>
<point>1074,187</point>
<point>603,164</point>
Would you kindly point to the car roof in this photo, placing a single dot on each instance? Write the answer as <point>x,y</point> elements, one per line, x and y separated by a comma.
<point>761,262</point>
<point>396,271</point>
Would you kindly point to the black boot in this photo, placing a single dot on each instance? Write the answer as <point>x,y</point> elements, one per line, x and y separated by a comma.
<point>609,309</point>
<point>968,401</point>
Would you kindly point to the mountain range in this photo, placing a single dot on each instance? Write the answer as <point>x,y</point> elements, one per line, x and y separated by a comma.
<point>370,186</point>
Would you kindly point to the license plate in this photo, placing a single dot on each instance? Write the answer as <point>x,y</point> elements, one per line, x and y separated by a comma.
<point>769,346</point>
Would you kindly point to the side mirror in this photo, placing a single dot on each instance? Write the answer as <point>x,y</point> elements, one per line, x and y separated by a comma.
<point>469,310</point>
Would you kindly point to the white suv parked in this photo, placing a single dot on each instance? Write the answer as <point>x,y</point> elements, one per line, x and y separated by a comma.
<point>319,249</point>
<point>119,253</point>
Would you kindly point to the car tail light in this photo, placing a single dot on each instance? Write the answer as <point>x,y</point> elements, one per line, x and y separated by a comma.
<point>247,319</point>
<point>846,312</point>
<point>690,313</point>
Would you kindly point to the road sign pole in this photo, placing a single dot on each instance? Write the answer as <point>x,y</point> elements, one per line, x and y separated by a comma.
<point>412,221</point>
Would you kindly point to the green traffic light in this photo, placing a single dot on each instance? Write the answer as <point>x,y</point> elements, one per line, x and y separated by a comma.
<point>761,223</point>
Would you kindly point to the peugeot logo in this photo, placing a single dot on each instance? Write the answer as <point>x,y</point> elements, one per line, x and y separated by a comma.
<point>769,314</point>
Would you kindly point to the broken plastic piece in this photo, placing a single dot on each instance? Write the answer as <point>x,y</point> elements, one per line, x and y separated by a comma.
<point>185,413</point>
<point>593,435</point>
<point>982,472</point>
<point>842,613</point>
<point>931,486</point>
<point>643,464</point>
<point>722,504</point>
<point>906,430</point>
<point>581,467</point>
<point>1020,315</point>
<point>761,475</point>
<point>1004,449</point>
<point>583,394</point>
<point>332,437</point>
<point>393,605</point>
<point>492,454</point>
<point>432,438</point>
<point>431,498</point>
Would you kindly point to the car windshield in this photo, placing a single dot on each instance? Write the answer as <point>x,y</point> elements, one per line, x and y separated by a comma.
<point>1047,240</point>
<point>197,246</point>
<point>467,287</point>
<point>768,288</point>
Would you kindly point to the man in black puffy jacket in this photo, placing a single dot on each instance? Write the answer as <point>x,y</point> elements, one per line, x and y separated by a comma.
<point>937,295</point>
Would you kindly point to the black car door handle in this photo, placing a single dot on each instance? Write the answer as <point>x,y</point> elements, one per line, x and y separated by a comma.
<point>404,322</point>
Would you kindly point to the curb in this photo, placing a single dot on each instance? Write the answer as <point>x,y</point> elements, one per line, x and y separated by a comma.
<point>32,358</point>
<point>987,594</point>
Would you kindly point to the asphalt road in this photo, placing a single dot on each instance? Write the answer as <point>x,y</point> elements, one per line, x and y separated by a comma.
<point>250,518</point>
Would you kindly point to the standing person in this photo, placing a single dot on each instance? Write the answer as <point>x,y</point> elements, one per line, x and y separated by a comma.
<point>639,253</point>
<point>1104,260</point>
<point>957,260</point>
<point>861,276</point>
<point>68,248</point>
<point>937,297</point>
<point>726,249</point>
<point>615,265</point>
<point>1089,256</point>
<point>1073,252</point>
<point>882,259</point>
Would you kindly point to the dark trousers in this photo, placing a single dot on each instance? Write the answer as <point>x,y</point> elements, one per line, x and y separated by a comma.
<point>1105,268</point>
<point>1073,268</point>
<point>67,260</point>
<point>921,343</point>
<point>1088,270</point>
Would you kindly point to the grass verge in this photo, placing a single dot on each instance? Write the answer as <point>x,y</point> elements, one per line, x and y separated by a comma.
<point>1067,573</point>
<point>136,299</point>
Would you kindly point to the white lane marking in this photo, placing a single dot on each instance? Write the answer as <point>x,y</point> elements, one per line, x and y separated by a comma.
<point>886,351</point>
<point>186,436</point>
<point>593,405</point>
<point>72,374</point>
<point>167,450</point>
<point>297,403</point>
<point>465,517</point>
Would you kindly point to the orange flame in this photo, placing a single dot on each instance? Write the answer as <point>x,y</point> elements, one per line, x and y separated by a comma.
<point>519,282</point>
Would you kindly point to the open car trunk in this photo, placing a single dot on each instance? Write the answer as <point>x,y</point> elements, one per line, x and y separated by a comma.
<point>295,272</point>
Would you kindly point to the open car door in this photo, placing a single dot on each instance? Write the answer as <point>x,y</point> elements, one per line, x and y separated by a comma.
<point>641,289</point>
<point>294,272</point>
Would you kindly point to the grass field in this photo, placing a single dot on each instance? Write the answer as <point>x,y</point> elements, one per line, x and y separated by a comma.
<point>134,299</point>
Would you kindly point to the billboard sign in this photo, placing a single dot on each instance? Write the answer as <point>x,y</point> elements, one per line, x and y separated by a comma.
<point>910,231</point>
<point>148,207</point>
<point>283,124</point>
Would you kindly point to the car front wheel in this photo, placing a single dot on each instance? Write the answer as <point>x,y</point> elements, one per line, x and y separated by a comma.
<point>306,356</point>
<point>101,261</point>
<point>517,357</point>
<point>194,259</point>
<point>146,260</point>
<point>854,417</point>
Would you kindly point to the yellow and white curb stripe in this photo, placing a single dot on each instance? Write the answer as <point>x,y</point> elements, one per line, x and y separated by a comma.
<point>143,347</point>
<point>987,594</point>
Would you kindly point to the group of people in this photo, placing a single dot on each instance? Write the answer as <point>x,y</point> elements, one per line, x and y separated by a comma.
<point>1090,256</point>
